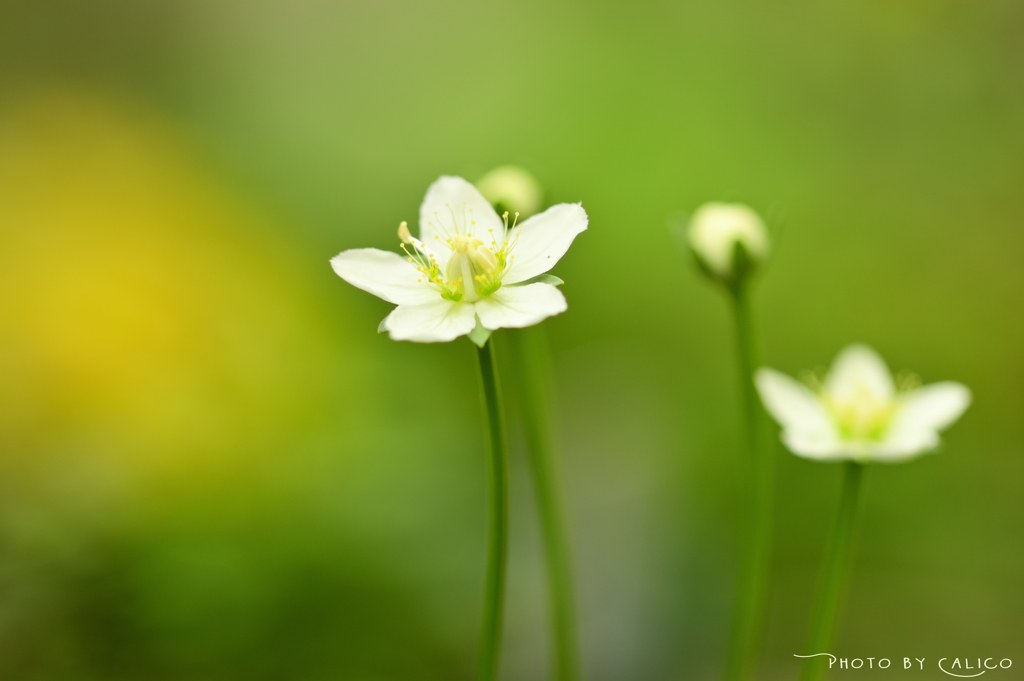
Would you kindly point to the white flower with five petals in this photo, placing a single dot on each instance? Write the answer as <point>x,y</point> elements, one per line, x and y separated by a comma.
<point>858,412</point>
<point>468,264</point>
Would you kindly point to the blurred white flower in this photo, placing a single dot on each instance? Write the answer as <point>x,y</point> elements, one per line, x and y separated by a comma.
<point>513,188</point>
<point>858,412</point>
<point>716,228</point>
<point>468,264</point>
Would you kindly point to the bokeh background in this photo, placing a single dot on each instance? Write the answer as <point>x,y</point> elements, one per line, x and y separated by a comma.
<point>213,468</point>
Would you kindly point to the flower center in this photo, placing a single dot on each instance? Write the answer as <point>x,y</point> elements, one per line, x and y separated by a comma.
<point>472,259</point>
<point>861,415</point>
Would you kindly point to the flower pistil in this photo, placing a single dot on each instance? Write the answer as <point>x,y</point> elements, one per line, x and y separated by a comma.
<point>471,259</point>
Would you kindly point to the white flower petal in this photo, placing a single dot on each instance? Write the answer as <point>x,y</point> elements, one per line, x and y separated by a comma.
<point>922,414</point>
<point>436,322</point>
<point>384,274</point>
<point>818,446</point>
<point>518,306</point>
<point>451,206</point>
<point>794,406</point>
<point>808,430</point>
<point>932,407</point>
<point>858,368</point>
<point>904,445</point>
<point>544,240</point>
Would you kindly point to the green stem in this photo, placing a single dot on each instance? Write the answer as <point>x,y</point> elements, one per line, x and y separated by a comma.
<point>534,369</point>
<point>751,605</point>
<point>494,589</point>
<point>834,575</point>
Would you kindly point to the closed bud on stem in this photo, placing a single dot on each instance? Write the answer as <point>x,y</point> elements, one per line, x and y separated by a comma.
<point>512,188</point>
<point>729,241</point>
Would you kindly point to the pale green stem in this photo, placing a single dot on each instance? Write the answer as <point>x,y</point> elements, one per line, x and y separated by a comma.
<point>755,566</point>
<point>835,573</point>
<point>533,363</point>
<point>494,589</point>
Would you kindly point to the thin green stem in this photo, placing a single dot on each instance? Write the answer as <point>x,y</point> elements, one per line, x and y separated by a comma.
<point>533,363</point>
<point>497,546</point>
<point>751,604</point>
<point>835,573</point>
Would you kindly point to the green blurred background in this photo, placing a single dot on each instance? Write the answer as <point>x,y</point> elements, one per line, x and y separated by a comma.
<point>212,467</point>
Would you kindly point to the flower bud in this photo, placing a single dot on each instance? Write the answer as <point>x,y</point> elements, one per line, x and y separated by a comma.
<point>513,189</point>
<point>728,239</point>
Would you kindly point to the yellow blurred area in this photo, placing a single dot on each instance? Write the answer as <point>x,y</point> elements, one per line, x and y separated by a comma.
<point>149,321</point>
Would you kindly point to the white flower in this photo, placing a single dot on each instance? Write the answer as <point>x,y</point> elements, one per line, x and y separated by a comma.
<point>716,228</point>
<point>468,264</point>
<point>858,412</point>
<point>512,187</point>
